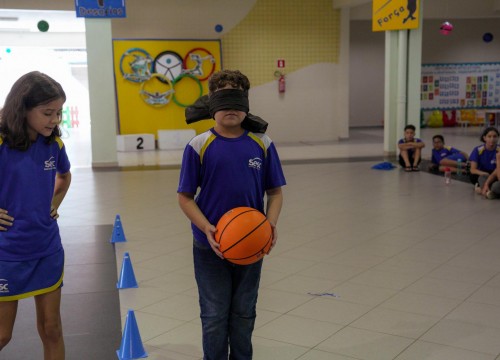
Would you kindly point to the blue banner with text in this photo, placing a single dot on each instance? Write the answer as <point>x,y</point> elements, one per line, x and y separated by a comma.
<point>100,8</point>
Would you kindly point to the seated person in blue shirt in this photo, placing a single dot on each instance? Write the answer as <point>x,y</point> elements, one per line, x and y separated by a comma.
<point>491,188</point>
<point>483,159</point>
<point>445,156</point>
<point>410,149</point>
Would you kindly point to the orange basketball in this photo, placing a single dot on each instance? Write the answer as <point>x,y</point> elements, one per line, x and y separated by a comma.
<point>244,235</point>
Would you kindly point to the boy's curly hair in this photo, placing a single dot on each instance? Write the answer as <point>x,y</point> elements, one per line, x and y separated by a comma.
<point>223,78</point>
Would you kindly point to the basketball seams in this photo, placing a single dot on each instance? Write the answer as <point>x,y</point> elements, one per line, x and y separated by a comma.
<point>244,237</point>
<point>230,221</point>
<point>257,253</point>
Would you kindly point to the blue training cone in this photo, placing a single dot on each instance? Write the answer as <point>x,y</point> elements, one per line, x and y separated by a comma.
<point>118,233</point>
<point>127,277</point>
<point>131,346</point>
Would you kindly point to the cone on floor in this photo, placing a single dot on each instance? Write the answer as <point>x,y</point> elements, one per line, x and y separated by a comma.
<point>118,233</point>
<point>131,346</point>
<point>127,276</point>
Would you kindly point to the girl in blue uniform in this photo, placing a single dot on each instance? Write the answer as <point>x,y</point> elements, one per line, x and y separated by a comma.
<point>231,167</point>
<point>491,188</point>
<point>483,159</point>
<point>34,178</point>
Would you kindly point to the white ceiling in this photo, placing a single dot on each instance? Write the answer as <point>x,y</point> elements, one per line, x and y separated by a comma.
<point>27,21</point>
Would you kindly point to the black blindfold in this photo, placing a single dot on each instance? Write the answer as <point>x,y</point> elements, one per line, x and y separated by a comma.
<point>228,99</point>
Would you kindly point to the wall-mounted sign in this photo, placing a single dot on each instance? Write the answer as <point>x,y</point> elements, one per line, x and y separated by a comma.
<point>281,63</point>
<point>100,8</point>
<point>395,14</point>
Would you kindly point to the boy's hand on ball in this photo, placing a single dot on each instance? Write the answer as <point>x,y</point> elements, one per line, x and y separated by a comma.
<point>275,236</point>
<point>210,232</point>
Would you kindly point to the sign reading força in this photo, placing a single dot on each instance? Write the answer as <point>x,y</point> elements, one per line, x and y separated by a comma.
<point>100,8</point>
<point>395,14</point>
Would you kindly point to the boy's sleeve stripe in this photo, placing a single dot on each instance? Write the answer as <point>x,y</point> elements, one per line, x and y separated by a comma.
<point>263,140</point>
<point>201,142</point>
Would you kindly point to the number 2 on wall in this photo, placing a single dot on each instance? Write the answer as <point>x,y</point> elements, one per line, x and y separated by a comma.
<point>140,141</point>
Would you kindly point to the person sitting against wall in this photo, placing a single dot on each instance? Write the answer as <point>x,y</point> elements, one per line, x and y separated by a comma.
<point>483,159</point>
<point>410,149</point>
<point>444,156</point>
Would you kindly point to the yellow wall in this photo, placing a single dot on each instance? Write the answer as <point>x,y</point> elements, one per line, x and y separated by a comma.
<point>301,32</point>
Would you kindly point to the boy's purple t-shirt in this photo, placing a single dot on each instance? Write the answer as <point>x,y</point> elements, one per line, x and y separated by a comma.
<point>229,173</point>
<point>410,151</point>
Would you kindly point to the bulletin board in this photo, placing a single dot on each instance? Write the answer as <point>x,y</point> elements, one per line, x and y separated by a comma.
<point>460,86</point>
<point>155,80</point>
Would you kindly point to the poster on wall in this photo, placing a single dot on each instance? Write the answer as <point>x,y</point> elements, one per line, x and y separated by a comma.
<point>460,86</point>
<point>155,80</point>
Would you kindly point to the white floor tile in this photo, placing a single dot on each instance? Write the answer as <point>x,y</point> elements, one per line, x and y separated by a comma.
<point>466,336</point>
<point>270,349</point>
<point>425,350</point>
<point>331,310</point>
<point>297,330</point>
<point>393,322</point>
<point>423,304</point>
<point>364,344</point>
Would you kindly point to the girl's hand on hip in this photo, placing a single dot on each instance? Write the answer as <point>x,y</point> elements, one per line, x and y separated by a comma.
<point>5,220</point>
<point>53,213</point>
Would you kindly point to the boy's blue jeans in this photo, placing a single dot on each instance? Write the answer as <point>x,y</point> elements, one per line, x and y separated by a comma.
<point>228,297</point>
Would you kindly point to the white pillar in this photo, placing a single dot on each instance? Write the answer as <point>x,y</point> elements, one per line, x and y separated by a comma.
<point>403,63</point>
<point>390,92</point>
<point>402,91</point>
<point>343,81</point>
<point>102,101</point>
<point>414,73</point>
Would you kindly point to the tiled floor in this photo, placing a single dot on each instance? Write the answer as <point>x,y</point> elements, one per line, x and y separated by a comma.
<point>370,264</point>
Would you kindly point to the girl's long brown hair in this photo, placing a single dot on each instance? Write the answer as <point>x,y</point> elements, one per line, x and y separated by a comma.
<point>30,90</point>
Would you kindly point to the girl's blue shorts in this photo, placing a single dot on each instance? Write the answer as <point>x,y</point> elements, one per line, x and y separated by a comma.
<point>22,279</point>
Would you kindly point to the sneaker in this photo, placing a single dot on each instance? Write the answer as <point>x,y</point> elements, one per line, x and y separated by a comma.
<point>477,188</point>
<point>490,195</point>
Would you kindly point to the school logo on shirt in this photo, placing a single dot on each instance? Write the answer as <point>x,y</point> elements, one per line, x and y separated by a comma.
<point>50,164</point>
<point>255,163</point>
<point>4,286</point>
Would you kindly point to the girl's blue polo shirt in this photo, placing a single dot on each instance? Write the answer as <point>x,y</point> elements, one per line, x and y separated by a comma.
<point>485,159</point>
<point>27,181</point>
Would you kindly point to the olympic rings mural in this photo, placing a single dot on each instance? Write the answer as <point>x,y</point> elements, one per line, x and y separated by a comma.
<point>158,76</point>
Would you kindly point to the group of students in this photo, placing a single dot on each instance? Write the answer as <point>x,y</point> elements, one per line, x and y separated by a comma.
<point>482,165</point>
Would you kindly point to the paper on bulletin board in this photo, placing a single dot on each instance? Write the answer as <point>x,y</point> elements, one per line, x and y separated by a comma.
<point>156,79</point>
<point>457,86</point>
